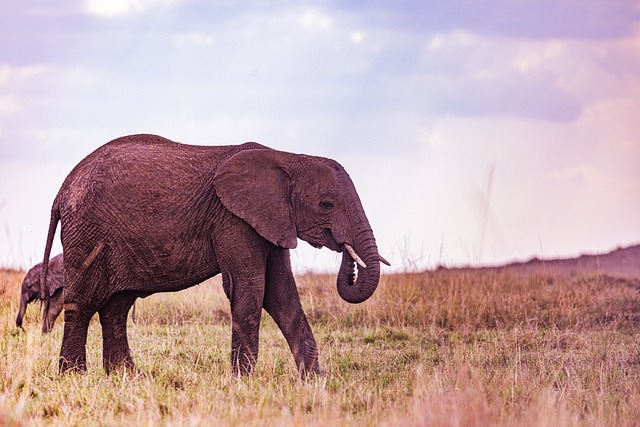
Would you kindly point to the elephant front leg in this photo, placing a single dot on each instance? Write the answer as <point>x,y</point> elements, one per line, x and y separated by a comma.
<point>246,309</point>
<point>282,302</point>
<point>115,345</point>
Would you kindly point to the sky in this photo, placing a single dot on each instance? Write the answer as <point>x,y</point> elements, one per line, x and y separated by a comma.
<point>476,132</point>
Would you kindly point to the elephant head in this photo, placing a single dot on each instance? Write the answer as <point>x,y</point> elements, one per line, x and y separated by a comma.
<point>286,196</point>
<point>31,291</point>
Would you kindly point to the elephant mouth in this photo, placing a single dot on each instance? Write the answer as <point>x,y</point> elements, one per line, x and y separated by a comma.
<point>322,239</point>
<point>327,239</point>
<point>313,242</point>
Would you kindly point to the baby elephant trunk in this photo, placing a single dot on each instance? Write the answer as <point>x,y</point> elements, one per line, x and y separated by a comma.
<point>21,311</point>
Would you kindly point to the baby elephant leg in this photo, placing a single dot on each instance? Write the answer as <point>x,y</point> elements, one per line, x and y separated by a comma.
<point>55,308</point>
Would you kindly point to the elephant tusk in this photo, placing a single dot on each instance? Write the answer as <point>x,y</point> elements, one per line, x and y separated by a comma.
<point>384,261</point>
<point>355,256</point>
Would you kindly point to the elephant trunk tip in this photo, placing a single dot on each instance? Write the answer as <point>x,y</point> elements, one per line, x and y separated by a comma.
<point>355,283</point>
<point>21,312</point>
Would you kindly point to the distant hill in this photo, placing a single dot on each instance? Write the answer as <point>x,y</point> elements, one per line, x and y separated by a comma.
<point>622,262</point>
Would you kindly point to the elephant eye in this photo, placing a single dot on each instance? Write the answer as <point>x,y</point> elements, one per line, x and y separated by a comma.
<point>327,205</point>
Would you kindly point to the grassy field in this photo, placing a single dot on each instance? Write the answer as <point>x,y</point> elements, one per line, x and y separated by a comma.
<point>443,348</point>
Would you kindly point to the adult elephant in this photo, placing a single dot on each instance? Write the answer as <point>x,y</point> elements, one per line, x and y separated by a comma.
<point>143,214</point>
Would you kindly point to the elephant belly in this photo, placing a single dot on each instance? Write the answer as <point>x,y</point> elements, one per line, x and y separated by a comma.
<point>168,270</point>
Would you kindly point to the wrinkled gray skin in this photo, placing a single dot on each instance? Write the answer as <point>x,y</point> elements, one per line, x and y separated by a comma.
<point>55,282</point>
<point>143,214</point>
<point>31,291</point>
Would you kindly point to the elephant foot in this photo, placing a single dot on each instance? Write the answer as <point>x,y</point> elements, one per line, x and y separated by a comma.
<point>75,364</point>
<point>115,345</point>
<point>123,364</point>
<point>243,363</point>
<point>115,359</point>
<point>314,371</point>
<point>242,369</point>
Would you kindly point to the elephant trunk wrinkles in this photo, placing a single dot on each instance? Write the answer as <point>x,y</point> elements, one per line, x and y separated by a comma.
<point>358,289</point>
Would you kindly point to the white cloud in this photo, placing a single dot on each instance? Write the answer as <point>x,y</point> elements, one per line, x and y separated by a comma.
<point>194,39</point>
<point>12,81</point>
<point>112,8</point>
<point>9,74</point>
<point>455,38</point>
<point>314,18</point>
<point>530,56</point>
<point>558,79</point>
<point>8,104</point>
<point>357,37</point>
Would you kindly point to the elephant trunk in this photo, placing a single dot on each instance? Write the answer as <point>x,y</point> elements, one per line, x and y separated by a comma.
<point>21,311</point>
<point>356,288</point>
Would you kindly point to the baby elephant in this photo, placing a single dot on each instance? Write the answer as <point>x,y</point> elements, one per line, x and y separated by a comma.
<point>31,290</point>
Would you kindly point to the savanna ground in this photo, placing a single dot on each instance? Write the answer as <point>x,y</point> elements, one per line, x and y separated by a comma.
<point>441,348</point>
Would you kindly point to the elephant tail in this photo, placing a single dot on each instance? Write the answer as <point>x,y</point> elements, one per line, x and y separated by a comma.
<point>44,292</point>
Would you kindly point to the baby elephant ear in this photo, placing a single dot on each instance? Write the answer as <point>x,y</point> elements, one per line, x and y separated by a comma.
<point>55,275</point>
<point>254,186</point>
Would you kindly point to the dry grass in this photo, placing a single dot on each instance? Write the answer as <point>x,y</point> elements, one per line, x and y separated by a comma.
<point>445,348</point>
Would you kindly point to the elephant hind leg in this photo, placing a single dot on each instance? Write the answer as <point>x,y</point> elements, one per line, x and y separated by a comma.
<point>73,353</point>
<point>113,318</point>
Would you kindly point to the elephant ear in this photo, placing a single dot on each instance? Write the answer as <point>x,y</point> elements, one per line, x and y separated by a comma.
<point>254,186</point>
<point>55,277</point>
<point>55,281</point>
